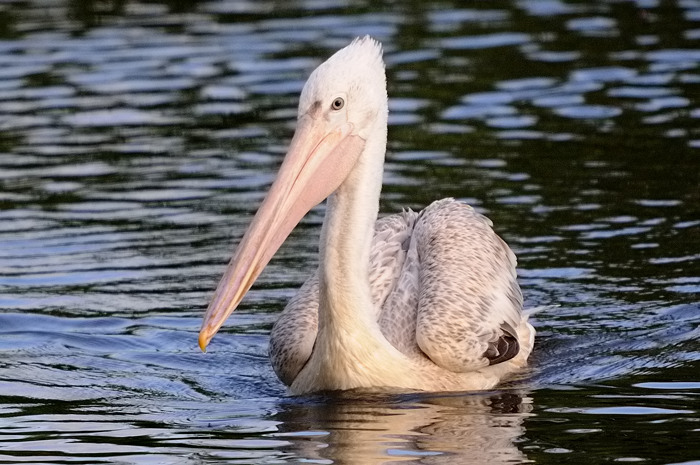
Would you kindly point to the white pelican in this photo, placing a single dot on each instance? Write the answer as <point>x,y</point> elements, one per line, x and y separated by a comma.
<point>415,301</point>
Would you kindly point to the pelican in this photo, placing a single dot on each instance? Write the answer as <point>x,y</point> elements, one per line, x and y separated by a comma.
<point>423,301</point>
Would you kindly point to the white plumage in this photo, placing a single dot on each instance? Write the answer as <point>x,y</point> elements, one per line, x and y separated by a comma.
<point>420,301</point>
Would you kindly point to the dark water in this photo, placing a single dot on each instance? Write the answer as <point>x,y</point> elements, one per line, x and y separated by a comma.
<point>137,138</point>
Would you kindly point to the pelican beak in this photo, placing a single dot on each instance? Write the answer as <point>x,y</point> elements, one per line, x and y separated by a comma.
<point>318,161</point>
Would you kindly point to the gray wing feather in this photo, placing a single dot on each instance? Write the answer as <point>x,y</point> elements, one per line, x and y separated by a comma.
<point>470,301</point>
<point>294,333</point>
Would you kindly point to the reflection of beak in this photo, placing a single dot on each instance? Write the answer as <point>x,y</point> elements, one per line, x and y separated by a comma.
<point>316,164</point>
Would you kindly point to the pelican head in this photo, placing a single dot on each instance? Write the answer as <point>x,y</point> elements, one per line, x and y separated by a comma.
<point>342,105</point>
<point>349,87</point>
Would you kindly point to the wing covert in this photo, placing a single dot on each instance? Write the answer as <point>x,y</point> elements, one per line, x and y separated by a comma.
<point>470,302</point>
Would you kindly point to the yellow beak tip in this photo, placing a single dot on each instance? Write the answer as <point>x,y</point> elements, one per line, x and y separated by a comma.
<point>203,342</point>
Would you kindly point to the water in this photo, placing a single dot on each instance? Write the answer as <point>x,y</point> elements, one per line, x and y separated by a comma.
<point>136,140</point>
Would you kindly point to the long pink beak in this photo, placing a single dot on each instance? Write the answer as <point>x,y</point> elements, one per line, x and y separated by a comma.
<point>317,163</point>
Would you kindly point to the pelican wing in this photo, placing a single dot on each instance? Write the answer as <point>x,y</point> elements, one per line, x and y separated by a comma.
<point>470,305</point>
<point>294,333</point>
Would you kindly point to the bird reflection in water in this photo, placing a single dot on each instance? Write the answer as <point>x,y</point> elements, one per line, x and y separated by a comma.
<point>353,428</point>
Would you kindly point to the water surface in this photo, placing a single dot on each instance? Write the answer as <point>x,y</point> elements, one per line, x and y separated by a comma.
<point>137,139</point>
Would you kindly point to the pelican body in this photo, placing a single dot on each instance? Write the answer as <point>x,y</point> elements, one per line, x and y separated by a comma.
<point>413,301</point>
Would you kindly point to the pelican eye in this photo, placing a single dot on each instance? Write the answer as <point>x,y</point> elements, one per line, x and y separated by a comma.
<point>338,103</point>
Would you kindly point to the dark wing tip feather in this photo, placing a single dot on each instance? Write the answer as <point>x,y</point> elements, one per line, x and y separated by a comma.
<point>505,348</point>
